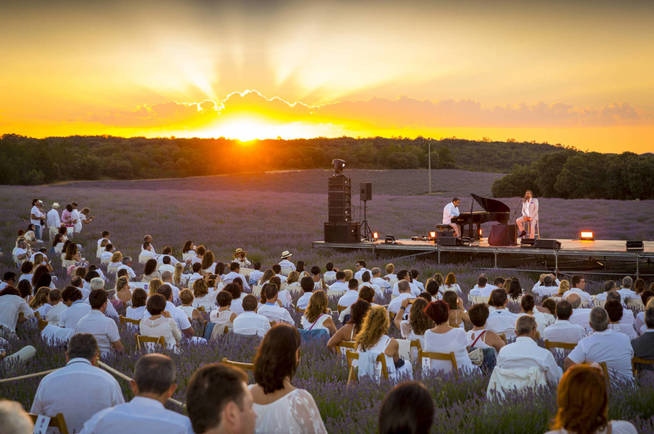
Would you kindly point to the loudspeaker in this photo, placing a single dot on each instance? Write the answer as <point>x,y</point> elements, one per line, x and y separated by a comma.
<point>547,244</point>
<point>503,235</point>
<point>365,191</point>
<point>448,241</point>
<point>339,199</point>
<point>635,246</point>
<point>342,233</point>
<point>527,242</point>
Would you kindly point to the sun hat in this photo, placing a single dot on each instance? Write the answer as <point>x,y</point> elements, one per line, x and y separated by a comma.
<point>286,254</point>
<point>56,205</point>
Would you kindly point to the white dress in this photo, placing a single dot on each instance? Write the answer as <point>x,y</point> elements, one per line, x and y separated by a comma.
<point>293,413</point>
<point>454,341</point>
<point>404,372</point>
<point>318,325</point>
<point>617,427</point>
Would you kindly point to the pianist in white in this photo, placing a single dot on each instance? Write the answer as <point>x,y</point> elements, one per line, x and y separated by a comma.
<point>450,211</point>
<point>529,215</point>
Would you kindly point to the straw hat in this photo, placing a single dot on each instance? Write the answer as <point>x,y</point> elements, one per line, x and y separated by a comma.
<point>56,205</point>
<point>286,254</point>
<point>239,251</point>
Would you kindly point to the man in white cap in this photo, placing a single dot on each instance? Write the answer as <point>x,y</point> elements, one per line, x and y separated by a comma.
<point>287,266</point>
<point>53,220</point>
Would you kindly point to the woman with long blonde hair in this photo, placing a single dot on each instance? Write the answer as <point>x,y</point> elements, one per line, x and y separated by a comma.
<point>177,276</point>
<point>115,262</point>
<point>208,262</point>
<point>373,339</point>
<point>563,287</point>
<point>316,315</point>
<point>450,284</point>
<point>153,286</point>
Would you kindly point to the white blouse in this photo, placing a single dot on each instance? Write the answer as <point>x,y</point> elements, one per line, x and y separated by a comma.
<point>293,413</point>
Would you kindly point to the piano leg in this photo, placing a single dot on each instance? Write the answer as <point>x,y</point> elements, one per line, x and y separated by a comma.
<point>477,232</point>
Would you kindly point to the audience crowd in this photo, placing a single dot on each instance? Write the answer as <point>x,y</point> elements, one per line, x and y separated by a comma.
<point>386,324</point>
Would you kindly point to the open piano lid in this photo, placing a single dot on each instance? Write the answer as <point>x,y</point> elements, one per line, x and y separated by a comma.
<point>491,205</point>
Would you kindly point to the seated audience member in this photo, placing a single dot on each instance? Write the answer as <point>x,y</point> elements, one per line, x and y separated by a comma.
<point>377,279</point>
<point>230,411</point>
<point>14,419</point>
<point>542,319</point>
<point>515,290</point>
<point>80,389</point>
<point>250,322</point>
<point>223,316</point>
<point>95,322</point>
<point>408,408</point>
<point>11,306</point>
<point>154,382</point>
<point>203,299</point>
<point>580,315</point>
<point>609,287</point>
<point>127,266</point>
<point>373,340</point>
<point>500,319</point>
<point>279,406</point>
<point>605,345</point>
<point>137,309</point>
<point>564,286</point>
<point>616,313</point>
<point>352,327</point>
<point>316,316</point>
<point>639,322</point>
<point>479,337</point>
<point>404,291</point>
<point>405,275</point>
<point>583,404</point>
<point>579,288</point>
<point>271,309</point>
<point>165,264</point>
<point>123,291</point>
<point>351,295</point>
<point>482,288</point>
<point>234,272</point>
<point>548,288</point>
<point>107,254</point>
<point>255,274</point>
<point>644,345</point>
<point>39,303</point>
<point>626,291</point>
<point>562,330</point>
<point>626,321</point>
<point>523,364</point>
<point>54,313</point>
<point>147,253</point>
<point>444,338</point>
<point>418,323</point>
<point>237,296</point>
<point>285,265</point>
<point>160,323</point>
<point>366,281</point>
<point>178,315</point>
<point>307,286</point>
<point>458,315</point>
<point>365,293</point>
<point>339,287</point>
<point>186,298</point>
<point>8,279</point>
<point>150,271</point>
<point>330,273</point>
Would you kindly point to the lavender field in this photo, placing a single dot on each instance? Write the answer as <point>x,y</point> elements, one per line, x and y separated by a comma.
<point>268,213</point>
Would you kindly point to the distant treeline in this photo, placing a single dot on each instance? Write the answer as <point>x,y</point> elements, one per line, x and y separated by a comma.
<point>25,160</point>
<point>570,174</point>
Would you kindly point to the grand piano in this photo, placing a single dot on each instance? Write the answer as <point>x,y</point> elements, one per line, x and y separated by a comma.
<point>493,211</point>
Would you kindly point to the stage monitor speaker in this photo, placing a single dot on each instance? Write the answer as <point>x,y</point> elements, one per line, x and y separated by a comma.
<point>503,235</point>
<point>527,242</point>
<point>365,191</point>
<point>635,246</point>
<point>448,241</point>
<point>342,233</point>
<point>547,244</point>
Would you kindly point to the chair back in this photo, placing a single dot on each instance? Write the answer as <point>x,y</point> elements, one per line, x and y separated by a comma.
<point>564,345</point>
<point>353,370</point>
<point>58,421</point>
<point>428,356</point>
<point>341,308</point>
<point>124,321</point>
<point>636,361</point>
<point>149,342</point>
<point>246,366</point>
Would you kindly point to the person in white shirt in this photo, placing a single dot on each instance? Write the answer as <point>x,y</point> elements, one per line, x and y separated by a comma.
<point>604,345</point>
<point>167,252</point>
<point>80,389</point>
<point>377,279</point>
<point>147,253</point>
<point>450,211</point>
<point>579,288</point>
<point>563,330</point>
<point>286,265</point>
<point>160,323</point>
<point>165,265</point>
<point>36,218</point>
<point>256,274</point>
<point>482,288</point>
<point>330,273</point>
<point>351,295</point>
<point>76,307</point>
<point>154,383</point>
<point>625,291</point>
<point>340,286</point>
<point>167,278</point>
<point>406,276</point>
<point>127,265</point>
<point>404,290</point>
<point>307,286</point>
<point>580,315</point>
<point>548,288</point>
<point>240,256</point>
<point>616,313</point>
<point>525,354</point>
<point>95,322</point>
<point>529,215</point>
<point>105,236</point>
<point>178,314</point>
<point>21,252</point>
<point>501,320</point>
<point>543,319</point>
<point>234,272</point>
<point>317,316</point>
<point>53,221</point>
<point>360,266</point>
<point>77,218</point>
<point>249,322</point>
<point>107,255</point>
<point>58,307</point>
<point>366,281</point>
<point>230,411</point>
<point>11,306</point>
<point>271,309</point>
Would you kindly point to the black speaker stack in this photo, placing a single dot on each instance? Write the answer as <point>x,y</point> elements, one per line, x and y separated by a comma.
<point>365,191</point>
<point>340,228</point>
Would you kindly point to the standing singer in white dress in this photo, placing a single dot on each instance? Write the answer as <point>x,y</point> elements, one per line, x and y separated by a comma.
<point>529,214</point>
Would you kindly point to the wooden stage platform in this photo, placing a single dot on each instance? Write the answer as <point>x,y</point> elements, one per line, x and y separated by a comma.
<point>599,256</point>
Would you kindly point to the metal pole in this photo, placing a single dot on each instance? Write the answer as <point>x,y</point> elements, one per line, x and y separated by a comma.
<point>429,164</point>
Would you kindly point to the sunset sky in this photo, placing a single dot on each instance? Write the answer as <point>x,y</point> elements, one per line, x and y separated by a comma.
<point>579,73</point>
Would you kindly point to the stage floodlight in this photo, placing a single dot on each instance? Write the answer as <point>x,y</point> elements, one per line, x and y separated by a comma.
<point>586,235</point>
<point>338,166</point>
<point>432,235</point>
<point>375,236</point>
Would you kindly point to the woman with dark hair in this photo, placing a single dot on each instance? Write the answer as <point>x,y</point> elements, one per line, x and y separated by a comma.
<point>316,316</point>
<point>458,315</point>
<point>583,404</point>
<point>150,271</point>
<point>450,284</point>
<point>479,337</point>
<point>279,406</point>
<point>39,303</point>
<point>188,251</point>
<point>515,290</point>
<point>408,408</point>
<point>445,339</point>
<point>137,309</point>
<point>358,312</point>
<point>208,262</point>
<point>42,277</point>
<point>26,271</point>
<point>432,288</point>
<point>418,323</point>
